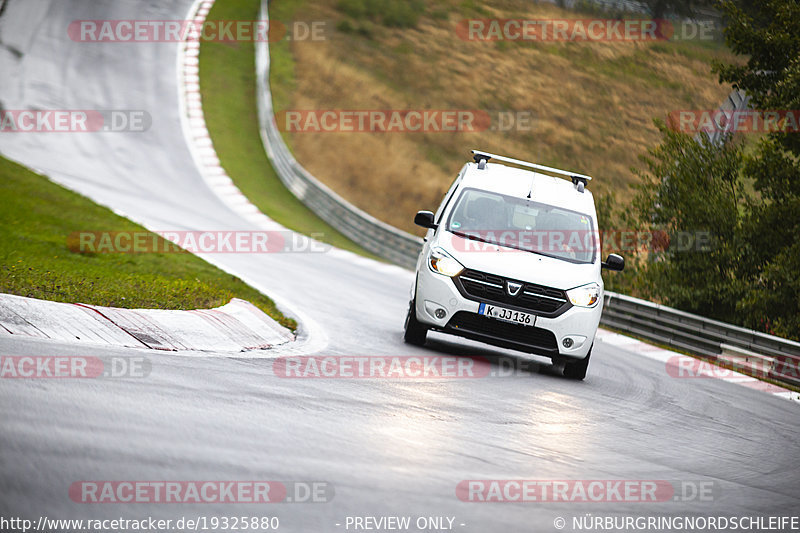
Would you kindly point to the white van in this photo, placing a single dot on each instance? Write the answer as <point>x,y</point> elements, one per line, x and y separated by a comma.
<point>512,258</point>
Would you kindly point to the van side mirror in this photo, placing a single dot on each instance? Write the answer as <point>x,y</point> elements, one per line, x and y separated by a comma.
<point>614,262</point>
<point>425,219</point>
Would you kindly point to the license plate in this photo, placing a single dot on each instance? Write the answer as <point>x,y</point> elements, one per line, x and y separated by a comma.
<point>507,315</point>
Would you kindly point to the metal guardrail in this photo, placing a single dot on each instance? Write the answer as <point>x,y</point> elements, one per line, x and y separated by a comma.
<point>745,349</point>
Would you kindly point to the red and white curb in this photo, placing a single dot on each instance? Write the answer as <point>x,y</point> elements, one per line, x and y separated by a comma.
<point>236,327</point>
<point>196,133</point>
<point>698,369</point>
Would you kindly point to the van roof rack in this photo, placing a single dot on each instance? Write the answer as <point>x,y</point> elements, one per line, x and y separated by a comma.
<point>580,180</point>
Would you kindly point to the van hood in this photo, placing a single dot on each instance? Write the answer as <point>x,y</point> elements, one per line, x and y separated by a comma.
<point>517,264</point>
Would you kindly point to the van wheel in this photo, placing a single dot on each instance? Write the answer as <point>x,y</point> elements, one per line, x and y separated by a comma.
<point>415,332</point>
<point>577,370</point>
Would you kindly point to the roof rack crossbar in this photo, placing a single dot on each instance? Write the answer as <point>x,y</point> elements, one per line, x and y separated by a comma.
<point>478,155</point>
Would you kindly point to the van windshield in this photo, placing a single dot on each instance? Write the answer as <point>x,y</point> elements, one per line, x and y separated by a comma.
<point>523,224</point>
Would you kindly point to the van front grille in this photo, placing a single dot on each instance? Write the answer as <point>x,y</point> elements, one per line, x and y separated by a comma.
<point>483,287</point>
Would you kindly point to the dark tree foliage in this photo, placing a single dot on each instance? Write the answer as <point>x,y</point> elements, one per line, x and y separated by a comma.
<point>751,275</point>
<point>767,33</point>
<point>694,193</point>
<point>683,8</point>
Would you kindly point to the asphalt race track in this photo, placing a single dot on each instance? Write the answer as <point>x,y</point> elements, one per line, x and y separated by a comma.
<point>386,447</point>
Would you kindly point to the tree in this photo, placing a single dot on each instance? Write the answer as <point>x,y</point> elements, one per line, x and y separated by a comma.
<point>693,191</point>
<point>750,274</point>
<point>766,32</point>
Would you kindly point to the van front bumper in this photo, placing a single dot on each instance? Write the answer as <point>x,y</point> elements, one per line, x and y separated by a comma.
<point>442,307</point>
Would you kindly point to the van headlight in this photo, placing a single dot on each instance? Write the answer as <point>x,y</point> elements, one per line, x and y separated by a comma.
<point>585,295</point>
<point>441,262</point>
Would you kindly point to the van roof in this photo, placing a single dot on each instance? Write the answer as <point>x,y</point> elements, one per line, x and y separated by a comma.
<point>519,183</point>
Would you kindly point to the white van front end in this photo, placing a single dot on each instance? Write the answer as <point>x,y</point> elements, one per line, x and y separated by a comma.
<point>512,258</point>
<point>551,309</point>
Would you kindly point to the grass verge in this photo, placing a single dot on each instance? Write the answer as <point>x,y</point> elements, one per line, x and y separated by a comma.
<point>38,217</point>
<point>228,89</point>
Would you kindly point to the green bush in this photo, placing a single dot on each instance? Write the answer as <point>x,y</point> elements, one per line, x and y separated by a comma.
<point>402,14</point>
<point>390,13</point>
<point>345,26</point>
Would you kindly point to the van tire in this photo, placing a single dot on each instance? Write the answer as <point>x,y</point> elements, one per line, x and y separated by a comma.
<point>415,332</point>
<point>577,370</point>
